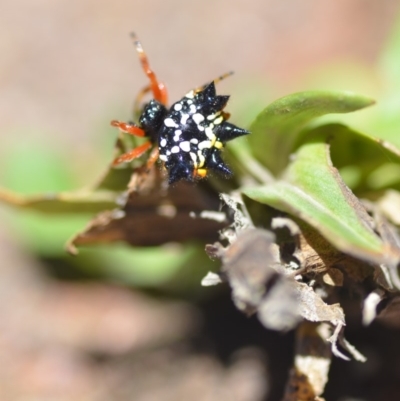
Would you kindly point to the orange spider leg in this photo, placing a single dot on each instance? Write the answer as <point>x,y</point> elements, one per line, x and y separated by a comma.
<point>152,158</point>
<point>158,88</point>
<point>133,154</point>
<point>216,80</point>
<point>130,129</point>
<point>223,76</point>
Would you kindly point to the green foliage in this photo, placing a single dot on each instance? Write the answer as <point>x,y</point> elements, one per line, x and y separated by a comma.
<point>277,128</point>
<point>312,190</point>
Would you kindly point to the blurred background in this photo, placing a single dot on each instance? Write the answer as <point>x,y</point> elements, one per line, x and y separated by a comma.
<point>135,324</point>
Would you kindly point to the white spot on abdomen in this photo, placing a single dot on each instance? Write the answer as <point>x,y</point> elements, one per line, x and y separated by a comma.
<point>184,118</point>
<point>175,149</point>
<point>201,158</point>
<point>163,142</point>
<point>169,122</point>
<point>185,146</point>
<point>194,158</point>
<point>178,132</point>
<point>218,120</point>
<point>210,134</point>
<point>204,145</point>
<point>198,118</point>
<point>178,107</point>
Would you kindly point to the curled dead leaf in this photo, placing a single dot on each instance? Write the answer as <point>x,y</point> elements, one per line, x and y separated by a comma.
<point>251,266</point>
<point>154,214</point>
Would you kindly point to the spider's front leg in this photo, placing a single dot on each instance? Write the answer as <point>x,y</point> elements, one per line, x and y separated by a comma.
<point>131,129</point>
<point>127,128</point>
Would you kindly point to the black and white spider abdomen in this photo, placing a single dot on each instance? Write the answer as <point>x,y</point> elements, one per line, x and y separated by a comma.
<point>191,134</point>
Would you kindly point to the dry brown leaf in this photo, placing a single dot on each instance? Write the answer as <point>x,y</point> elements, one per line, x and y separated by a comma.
<point>251,266</point>
<point>153,214</point>
<point>314,309</point>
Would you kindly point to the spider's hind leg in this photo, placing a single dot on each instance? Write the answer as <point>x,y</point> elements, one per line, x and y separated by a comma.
<point>216,81</point>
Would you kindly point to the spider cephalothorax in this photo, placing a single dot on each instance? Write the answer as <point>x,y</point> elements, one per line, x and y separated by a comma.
<point>188,137</point>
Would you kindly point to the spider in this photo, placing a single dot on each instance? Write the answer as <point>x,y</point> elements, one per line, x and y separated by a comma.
<point>187,137</point>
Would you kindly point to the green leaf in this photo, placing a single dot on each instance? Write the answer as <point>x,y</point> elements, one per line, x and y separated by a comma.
<point>63,202</point>
<point>276,129</point>
<point>50,177</point>
<point>374,163</point>
<point>114,179</point>
<point>313,191</point>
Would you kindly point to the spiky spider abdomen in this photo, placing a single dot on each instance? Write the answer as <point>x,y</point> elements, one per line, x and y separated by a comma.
<point>189,136</point>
